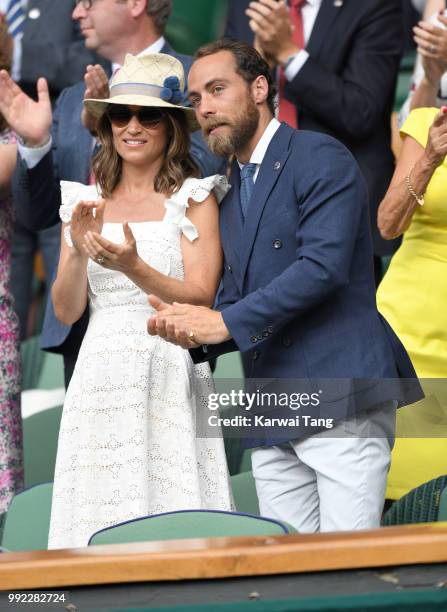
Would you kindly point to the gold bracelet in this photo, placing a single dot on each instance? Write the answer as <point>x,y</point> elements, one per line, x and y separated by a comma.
<point>419,198</point>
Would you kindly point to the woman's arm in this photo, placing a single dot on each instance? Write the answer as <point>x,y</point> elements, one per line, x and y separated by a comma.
<point>8,155</point>
<point>202,259</point>
<point>398,206</point>
<point>69,291</point>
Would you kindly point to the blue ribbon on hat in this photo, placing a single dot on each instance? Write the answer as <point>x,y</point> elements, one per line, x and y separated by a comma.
<point>171,90</point>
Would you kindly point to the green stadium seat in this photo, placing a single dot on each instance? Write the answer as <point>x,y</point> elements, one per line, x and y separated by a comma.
<point>185,524</point>
<point>442,514</point>
<point>244,493</point>
<point>40,437</point>
<point>32,362</point>
<point>421,505</point>
<point>28,519</point>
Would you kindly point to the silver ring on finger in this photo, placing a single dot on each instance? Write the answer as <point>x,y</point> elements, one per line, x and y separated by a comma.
<point>100,259</point>
<point>432,49</point>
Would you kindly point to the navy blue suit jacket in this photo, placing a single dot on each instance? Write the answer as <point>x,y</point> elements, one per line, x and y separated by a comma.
<point>36,192</point>
<point>346,88</point>
<point>298,294</point>
<point>53,47</point>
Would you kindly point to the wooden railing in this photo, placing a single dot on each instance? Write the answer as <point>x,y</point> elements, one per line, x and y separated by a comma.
<point>224,557</point>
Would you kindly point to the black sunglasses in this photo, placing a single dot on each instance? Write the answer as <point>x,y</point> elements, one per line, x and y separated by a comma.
<point>120,115</point>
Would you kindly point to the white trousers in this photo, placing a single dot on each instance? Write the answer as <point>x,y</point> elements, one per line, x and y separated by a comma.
<point>333,481</point>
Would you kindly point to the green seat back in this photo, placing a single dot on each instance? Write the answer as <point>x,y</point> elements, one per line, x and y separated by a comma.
<point>421,505</point>
<point>229,376</point>
<point>244,493</point>
<point>404,79</point>
<point>52,372</point>
<point>245,465</point>
<point>40,436</point>
<point>186,524</point>
<point>32,362</point>
<point>28,519</point>
<point>194,23</point>
<point>442,515</point>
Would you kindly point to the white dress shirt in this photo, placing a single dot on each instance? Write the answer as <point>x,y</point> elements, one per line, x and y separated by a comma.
<point>32,156</point>
<point>260,150</point>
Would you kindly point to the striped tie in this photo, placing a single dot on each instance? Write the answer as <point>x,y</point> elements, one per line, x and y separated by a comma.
<point>15,17</point>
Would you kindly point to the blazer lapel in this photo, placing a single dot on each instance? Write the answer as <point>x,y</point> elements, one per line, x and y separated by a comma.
<point>328,13</point>
<point>269,172</point>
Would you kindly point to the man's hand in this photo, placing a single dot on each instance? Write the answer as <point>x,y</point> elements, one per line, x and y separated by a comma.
<point>270,22</point>
<point>185,325</point>
<point>122,257</point>
<point>29,119</point>
<point>96,86</point>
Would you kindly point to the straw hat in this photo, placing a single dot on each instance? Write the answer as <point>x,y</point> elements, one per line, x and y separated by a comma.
<point>155,79</point>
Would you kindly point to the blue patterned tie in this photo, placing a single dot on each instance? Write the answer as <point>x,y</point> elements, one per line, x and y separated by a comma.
<point>15,17</point>
<point>247,186</point>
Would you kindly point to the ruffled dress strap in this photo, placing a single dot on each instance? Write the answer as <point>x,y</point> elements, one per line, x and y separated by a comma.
<point>71,194</point>
<point>197,190</point>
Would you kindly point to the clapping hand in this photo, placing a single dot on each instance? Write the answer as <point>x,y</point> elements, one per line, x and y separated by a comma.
<point>96,86</point>
<point>431,42</point>
<point>122,257</point>
<point>186,325</point>
<point>29,119</point>
<point>270,22</point>
<point>86,217</point>
<point>436,148</point>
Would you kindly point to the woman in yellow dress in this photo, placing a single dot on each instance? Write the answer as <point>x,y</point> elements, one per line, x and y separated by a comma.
<point>413,294</point>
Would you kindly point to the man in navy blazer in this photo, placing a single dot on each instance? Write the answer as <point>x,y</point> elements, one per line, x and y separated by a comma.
<point>343,82</point>
<point>298,301</point>
<point>111,29</point>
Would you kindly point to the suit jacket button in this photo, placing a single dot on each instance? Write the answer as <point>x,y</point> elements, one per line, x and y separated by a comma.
<point>229,268</point>
<point>277,244</point>
<point>260,336</point>
<point>265,333</point>
<point>253,339</point>
<point>270,329</point>
<point>277,165</point>
<point>255,355</point>
<point>287,342</point>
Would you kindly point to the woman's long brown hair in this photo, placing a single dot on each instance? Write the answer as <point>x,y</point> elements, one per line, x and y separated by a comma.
<point>177,166</point>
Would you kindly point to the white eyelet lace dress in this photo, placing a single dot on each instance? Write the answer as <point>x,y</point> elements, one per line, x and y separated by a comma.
<point>127,442</point>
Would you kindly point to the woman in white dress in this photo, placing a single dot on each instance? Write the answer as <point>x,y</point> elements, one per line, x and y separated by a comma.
<point>128,445</point>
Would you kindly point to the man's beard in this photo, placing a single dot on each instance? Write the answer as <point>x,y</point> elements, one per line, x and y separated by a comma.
<point>240,131</point>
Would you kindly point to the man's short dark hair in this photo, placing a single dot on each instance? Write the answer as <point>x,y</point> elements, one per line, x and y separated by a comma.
<point>159,11</point>
<point>249,64</point>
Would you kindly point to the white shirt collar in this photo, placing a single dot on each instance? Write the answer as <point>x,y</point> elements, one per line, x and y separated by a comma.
<point>155,47</point>
<point>260,150</point>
